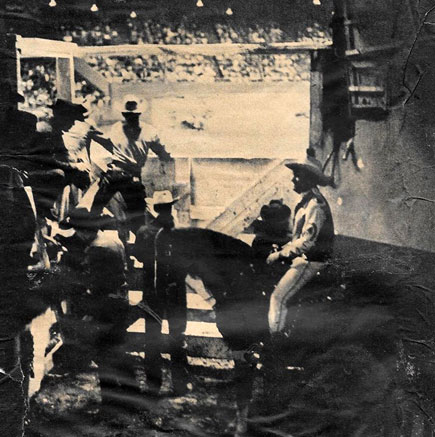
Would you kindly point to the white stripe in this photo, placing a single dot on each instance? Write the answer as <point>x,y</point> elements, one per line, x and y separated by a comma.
<point>196,302</point>
<point>134,296</point>
<point>136,264</point>
<point>29,193</point>
<point>193,329</point>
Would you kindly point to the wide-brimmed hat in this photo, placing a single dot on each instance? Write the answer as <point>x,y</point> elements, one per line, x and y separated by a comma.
<point>276,211</point>
<point>312,166</point>
<point>64,108</point>
<point>162,198</point>
<point>132,104</point>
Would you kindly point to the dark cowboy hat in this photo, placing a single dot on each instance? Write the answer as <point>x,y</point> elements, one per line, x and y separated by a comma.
<point>64,108</point>
<point>311,165</point>
<point>275,211</point>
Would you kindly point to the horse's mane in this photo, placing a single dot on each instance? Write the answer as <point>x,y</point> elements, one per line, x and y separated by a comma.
<point>205,242</point>
<point>220,260</point>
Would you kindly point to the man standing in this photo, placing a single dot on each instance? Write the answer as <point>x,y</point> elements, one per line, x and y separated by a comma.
<point>132,140</point>
<point>312,240</point>
<point>155,284</point>
<point>52,167</point>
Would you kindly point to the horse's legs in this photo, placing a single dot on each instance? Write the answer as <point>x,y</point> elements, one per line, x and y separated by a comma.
<point>153,348</point>
<point>244,381</point>
<point>177,320</point>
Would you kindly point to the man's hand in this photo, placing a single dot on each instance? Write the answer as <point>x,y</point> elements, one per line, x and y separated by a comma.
<point>273,257</point>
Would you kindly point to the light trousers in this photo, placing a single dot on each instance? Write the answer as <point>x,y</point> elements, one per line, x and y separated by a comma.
<point>300,272</point>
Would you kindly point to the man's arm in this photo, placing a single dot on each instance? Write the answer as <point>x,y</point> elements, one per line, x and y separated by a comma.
<point>155,144</point>
<point>159,149</point>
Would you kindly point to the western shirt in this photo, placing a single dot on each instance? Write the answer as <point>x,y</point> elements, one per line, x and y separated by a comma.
<point>313,229</point>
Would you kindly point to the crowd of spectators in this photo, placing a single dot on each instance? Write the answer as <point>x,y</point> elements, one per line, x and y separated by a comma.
<point>38,87</point>
<point>199,68</point>
<point>136,31</point>
<point>38,77</point>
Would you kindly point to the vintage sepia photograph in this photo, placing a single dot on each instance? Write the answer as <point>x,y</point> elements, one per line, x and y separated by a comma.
<point>218,218</point>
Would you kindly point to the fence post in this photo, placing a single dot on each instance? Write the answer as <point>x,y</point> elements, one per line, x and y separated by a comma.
<point>65,84</point>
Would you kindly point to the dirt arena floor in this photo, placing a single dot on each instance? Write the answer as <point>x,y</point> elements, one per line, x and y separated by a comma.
<point>343,363</point>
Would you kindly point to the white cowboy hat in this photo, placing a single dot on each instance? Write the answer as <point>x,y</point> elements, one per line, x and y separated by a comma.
<point>132,104</point>
<point>162,198</point>
<point>312,165</point>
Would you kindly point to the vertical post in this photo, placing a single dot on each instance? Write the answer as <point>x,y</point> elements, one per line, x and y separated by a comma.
<point>316,98</point>
<point>8,67</point>
<point>65,78</point>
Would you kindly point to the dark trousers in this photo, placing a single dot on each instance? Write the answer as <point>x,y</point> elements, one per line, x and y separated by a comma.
<point>133,193</point>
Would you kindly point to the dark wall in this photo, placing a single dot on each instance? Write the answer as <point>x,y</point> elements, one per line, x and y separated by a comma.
<point>388,194</point>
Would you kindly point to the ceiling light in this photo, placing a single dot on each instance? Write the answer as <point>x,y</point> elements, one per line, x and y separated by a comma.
<point>229,11</point>
<point>94,8</point>
<point>199,3</point>
<point>133,14</point>
<point>52,3</point>
<point>317,3</point>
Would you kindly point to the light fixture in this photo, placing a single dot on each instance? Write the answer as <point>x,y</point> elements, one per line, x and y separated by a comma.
<point>52,3</point>
<point>229,11</point>
<point>133,14</point>
<point>199,3</point>
<point>94,8</point>
<point>317,3</point>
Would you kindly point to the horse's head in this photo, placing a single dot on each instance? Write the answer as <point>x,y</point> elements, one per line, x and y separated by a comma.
<point>224,264</point>
<point>226,267</point>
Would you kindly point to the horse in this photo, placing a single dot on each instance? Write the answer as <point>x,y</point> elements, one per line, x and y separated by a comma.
<point>330,326</point>
<point>227,268</point>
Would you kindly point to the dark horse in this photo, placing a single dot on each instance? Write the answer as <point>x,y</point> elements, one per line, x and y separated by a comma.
<point>227,268</point>
<point>334,373</point>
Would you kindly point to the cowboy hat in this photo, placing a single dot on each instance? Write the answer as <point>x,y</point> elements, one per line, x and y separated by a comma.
<point>162,198</point>
<point>131,104</point>
<point>312,166</point>
<point>275,211</point>
<point>71,110</point>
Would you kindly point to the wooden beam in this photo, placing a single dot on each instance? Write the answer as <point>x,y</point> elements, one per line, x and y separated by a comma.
<point>245,209</point>
<point>45,48</point>
<point>202,49</point>
<point>92,75</point>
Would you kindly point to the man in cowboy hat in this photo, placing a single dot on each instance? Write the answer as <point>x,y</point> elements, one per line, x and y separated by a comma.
<point>160,222</point>
<point>272,229</point>
<point>312,239</point>
<point>132,140</point>
<point>52,167</point>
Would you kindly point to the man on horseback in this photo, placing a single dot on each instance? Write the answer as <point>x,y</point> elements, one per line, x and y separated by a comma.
<point>312,240</point>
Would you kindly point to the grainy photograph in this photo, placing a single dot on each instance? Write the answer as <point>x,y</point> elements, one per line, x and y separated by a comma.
<point>217,218</point>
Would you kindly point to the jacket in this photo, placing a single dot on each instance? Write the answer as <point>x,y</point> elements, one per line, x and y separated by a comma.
<point>313,229</point>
